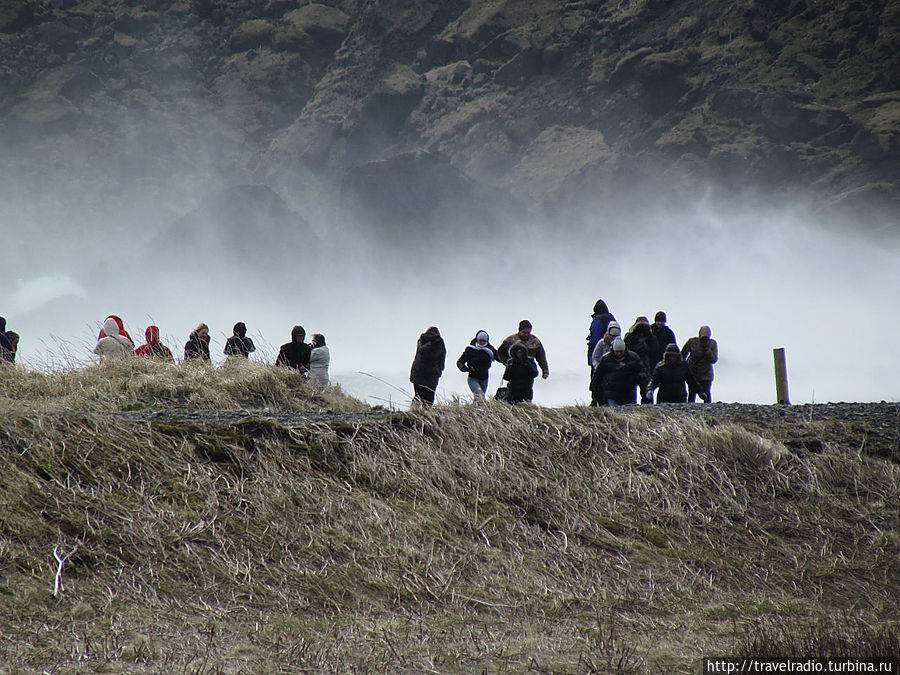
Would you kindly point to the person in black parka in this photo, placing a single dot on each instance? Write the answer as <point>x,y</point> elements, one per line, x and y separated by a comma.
<point>640,340</point>
<point>197,347</point>
<point>428,365</point>
<point>7,350</point>
<point>671,375</point>
<point>476,360</point>
<point>296,353</point>
<point>239,344</point>
<point>617,375</point>
<point>521,370</point>
<point>663,334</point>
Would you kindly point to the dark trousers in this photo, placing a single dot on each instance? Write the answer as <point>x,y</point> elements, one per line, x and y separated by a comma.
<point>702,387</point>
<point>424,394</point>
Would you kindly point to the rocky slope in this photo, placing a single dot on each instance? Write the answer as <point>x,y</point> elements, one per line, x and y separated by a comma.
<point>404,111</point>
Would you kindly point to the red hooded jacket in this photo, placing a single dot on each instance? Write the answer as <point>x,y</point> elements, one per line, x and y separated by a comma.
<point>121,325</point>
<point>154,347</point>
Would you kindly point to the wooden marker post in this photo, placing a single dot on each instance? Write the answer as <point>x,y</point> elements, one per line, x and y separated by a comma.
<point>781,381</point>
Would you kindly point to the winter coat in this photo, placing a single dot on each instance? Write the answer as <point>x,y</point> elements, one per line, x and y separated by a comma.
<point>319,359</point>
<point>7,352</point>
<point>121,326</point>
<point>532,344</point>
<point>520,373</point>
<point>239,346</point>
<point>602,348</point>
<point>428,363</point>
<point>476,360</point>
<point>154,348</point>
<point>664,336</point>
<point>113,345</point>
<point>671,379</point>
<point>700,358</point>
<point>615,379</point>
<point>197,348</point>
<point>642,342</point>
<point>600,321</point>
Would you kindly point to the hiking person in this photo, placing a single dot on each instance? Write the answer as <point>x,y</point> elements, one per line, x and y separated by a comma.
<point>663,334</point>
<point>120,324</point>
<point>670,375</point>
<point>600,320</point>
<point>613,330</point>
<point>617,375</point>
<point>153,348</point>
<point>428,365</point>
<point>532,344</point>
<point>7,349</point>
<point>113,345</point>
<point>603,347</point>
<point>520,372</point>
<point>319,358</point>
<point>639,339</point>
<point>296,353</point>
<point>476,360</point>
<point>13,338</point>
<point>197,346</point>
<point>239,344</point>
<point>701,353</point>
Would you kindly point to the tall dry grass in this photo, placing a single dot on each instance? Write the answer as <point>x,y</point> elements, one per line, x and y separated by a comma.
<point>135,383</point>
<point>464,538</point>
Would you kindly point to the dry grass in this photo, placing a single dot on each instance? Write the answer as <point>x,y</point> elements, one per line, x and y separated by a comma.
<point>136,383</point>
<point>465,538</point>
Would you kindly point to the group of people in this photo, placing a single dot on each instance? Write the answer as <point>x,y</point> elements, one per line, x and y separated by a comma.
<point>521,354</point>
<point>313,358</point>
<point>645,359</point>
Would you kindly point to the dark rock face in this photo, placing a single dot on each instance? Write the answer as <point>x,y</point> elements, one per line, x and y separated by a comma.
<point>534,103</point>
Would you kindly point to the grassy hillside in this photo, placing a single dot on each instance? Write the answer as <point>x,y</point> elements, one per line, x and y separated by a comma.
<point>459,539</point>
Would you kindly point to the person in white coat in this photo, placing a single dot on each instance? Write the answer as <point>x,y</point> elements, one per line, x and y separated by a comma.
<point>319,359</point>
<point>113,345</point>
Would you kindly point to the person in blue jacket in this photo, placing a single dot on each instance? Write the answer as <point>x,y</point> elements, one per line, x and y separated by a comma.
<point>599,322</point>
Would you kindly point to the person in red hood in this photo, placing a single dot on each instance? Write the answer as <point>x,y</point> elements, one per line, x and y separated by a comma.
<point>121,326</point>
<point>154,348</point>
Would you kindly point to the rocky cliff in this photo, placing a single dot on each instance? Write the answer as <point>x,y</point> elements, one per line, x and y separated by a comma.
<point>402,112</point>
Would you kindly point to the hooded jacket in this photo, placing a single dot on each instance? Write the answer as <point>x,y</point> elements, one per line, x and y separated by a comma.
<point>641,341</point>
<point>196,347</point>
<point>520,372</point>
<point>319,359</point>
<point>532,344</point>
<point>701,355</point>
<point>428,363</point>
<point>296,353</point>
<point>671,375</point>
<point>664,337</point>
<point>239,344</point>
<point>599,323</point>
<point>615,379</point>
<point>121,326</point>
<point>154,348</point>
<point>476,360</point>
<point>113,345</point>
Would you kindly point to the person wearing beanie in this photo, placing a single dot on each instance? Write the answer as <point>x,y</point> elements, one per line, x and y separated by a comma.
<point>319,359</point>
<point>476,360</point>
<point>641,341</point>
<point>520,372</point>
<point>701,353</point>
<point>7,349</point>
<point>153,347</point>
<point>600,320</point>
<point>239,344</point>
<point>197,346</point>
<point>670,376</point>
<point>616,377</point>
<point>532,344</point>
<point>663,334</point>
<point>613,330</point>
<point>427,365</point>
<point>113,345</point>
<point>296,353</point>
